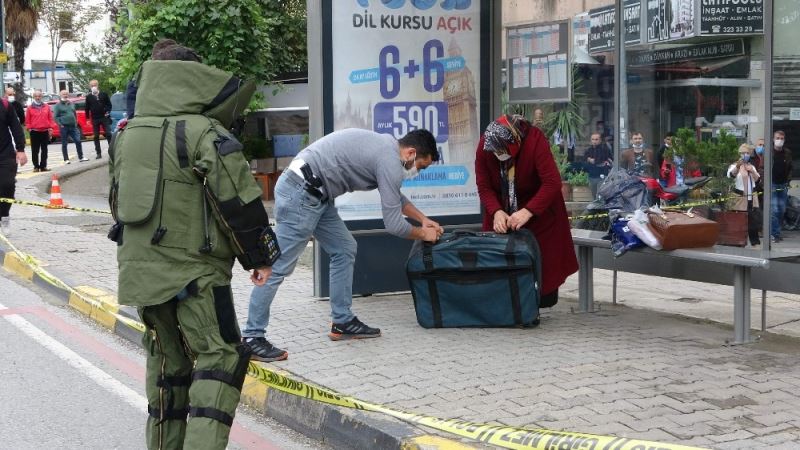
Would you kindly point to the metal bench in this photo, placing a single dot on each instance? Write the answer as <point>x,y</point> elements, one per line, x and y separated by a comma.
<point>741,262</point>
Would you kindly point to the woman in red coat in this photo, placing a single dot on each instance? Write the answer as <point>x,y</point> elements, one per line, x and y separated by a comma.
<point>519,186</point>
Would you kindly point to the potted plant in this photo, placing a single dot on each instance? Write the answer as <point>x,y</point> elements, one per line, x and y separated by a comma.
<point>258,151</point>
<point>563,170</point>
<point>580,186</point>
<point>716,155</point>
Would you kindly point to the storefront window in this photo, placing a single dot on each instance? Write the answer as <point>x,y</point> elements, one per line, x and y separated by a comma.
<point>785,207</point>
<point>560,75</point>
<point>692,111</point>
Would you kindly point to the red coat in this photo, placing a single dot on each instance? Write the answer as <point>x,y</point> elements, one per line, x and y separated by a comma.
<point>39,118</point>
<point>672,177</point>
<point>538,191</point>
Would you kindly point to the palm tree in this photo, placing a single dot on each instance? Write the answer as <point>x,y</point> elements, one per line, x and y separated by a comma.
<point>22,19</point>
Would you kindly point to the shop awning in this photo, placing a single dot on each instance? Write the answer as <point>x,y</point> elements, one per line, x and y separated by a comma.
<point>693,82</point>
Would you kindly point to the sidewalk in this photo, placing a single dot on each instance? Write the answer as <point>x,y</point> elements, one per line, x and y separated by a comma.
<point>634,370</point>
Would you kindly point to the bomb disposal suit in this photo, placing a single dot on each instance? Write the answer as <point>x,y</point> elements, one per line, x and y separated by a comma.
<point>186,204</point>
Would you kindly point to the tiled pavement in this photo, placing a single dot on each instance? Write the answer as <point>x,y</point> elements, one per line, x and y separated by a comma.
<point>622,371</point>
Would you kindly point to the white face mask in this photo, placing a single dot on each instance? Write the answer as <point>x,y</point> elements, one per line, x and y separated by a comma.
<point>778,142</point>
<point>11,98</point>
<point>95,90</point>
<point>503,156</point>
<point>410,169</point>
<point>64,99</point>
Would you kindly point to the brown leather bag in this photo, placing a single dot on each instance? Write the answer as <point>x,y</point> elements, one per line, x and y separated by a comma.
<point>683,230</point>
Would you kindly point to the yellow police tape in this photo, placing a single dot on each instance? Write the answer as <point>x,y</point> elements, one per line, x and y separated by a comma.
<point>675,207</point>
<point>498,435</point>
<point>47,205</point>
<point>55,281</point>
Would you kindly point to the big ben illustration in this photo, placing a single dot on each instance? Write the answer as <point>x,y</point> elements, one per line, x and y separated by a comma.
<point>462,111</point>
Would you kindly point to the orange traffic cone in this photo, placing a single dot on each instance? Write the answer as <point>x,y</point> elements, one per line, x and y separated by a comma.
<point>55,194</point>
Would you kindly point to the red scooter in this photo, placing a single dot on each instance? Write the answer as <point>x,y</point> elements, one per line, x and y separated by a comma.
<point>672,195</point>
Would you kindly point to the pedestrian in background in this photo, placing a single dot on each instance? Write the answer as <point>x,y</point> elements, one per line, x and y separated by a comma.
<point>98,110</point>
<point>519,187</point>
<point>39,118</point>
<point>638,159</point>
<point>67,120</point>
<point>12,154</point>
<point>781,176</point>
<point>747,177</point>
<point>598,161</point>
<point>11,96</point>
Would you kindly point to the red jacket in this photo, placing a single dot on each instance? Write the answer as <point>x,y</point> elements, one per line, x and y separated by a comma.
<point>538,191</point>
<point>689,170</point>
<point>39,118</point>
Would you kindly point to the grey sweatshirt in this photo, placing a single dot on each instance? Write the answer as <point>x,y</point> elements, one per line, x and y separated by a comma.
<point>360,160</point>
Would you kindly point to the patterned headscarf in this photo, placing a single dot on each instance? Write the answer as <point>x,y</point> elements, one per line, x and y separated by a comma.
<point>505,134</point>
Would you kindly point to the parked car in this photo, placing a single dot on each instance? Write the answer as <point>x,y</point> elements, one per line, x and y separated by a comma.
<point>84,125</point>
<point>118,108</point>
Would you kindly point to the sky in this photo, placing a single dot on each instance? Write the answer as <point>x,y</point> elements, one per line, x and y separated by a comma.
<point>40,46</point>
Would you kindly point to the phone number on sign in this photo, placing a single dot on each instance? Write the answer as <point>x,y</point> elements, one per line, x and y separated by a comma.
<point>398,118</point>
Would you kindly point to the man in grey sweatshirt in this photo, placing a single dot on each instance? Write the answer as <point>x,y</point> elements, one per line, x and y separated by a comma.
<point>344,161</point>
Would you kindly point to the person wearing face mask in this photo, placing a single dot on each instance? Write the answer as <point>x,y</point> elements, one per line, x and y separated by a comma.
<point>747,177</point>
<point>757,159</point>
<point>11,96</point>
<point>519,187</point>
<point>638,159</point>
<point>67,120</point>
<point>781,176</point>
<point>344,161</point>
<point>98,110</point>
<point>40,121</point>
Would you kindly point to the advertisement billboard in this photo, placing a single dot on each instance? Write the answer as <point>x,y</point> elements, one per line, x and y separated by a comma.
<point>401,65</point>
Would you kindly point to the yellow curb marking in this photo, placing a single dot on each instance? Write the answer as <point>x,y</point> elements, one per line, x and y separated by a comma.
<point>254,393</point>
<point>429,442</point>
<point>14,264</point>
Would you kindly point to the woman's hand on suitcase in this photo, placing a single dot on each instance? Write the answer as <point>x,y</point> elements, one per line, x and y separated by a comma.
<point>519,219</point>
<point>501,222</point>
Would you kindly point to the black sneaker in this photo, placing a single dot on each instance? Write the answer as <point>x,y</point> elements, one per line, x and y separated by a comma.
<point>264,351</point>
<point>354,329</point>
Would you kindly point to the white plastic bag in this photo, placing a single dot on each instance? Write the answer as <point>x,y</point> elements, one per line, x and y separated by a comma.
<point>638,225</point>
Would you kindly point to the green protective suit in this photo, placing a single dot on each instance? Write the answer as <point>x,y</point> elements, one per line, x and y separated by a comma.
<point>185,205</point>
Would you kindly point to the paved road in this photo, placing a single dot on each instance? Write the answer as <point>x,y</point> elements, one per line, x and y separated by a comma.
<point>68,385</point>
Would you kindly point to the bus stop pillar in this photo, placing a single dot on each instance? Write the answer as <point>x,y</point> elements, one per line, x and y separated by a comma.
<point>585,279</point>
<point>741,305</point>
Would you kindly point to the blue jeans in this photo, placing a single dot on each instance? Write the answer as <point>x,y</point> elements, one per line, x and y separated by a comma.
<point>299,216</point>
<point>780,195</point>
<point>75,135</point>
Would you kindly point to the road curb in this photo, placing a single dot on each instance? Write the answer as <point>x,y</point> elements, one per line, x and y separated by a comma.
<point>335,426</point>
<point>43,186</point>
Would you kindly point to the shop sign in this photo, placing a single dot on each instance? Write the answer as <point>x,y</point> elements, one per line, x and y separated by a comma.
<point>632,20</point>
<point>671,19</point>
<point>601,35</point>
<point>580,31</point>
<point>732,17</point>
<point>794,113</point>
<point>399,67</point>
<point>710,50</point>
<point>539,68</point>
